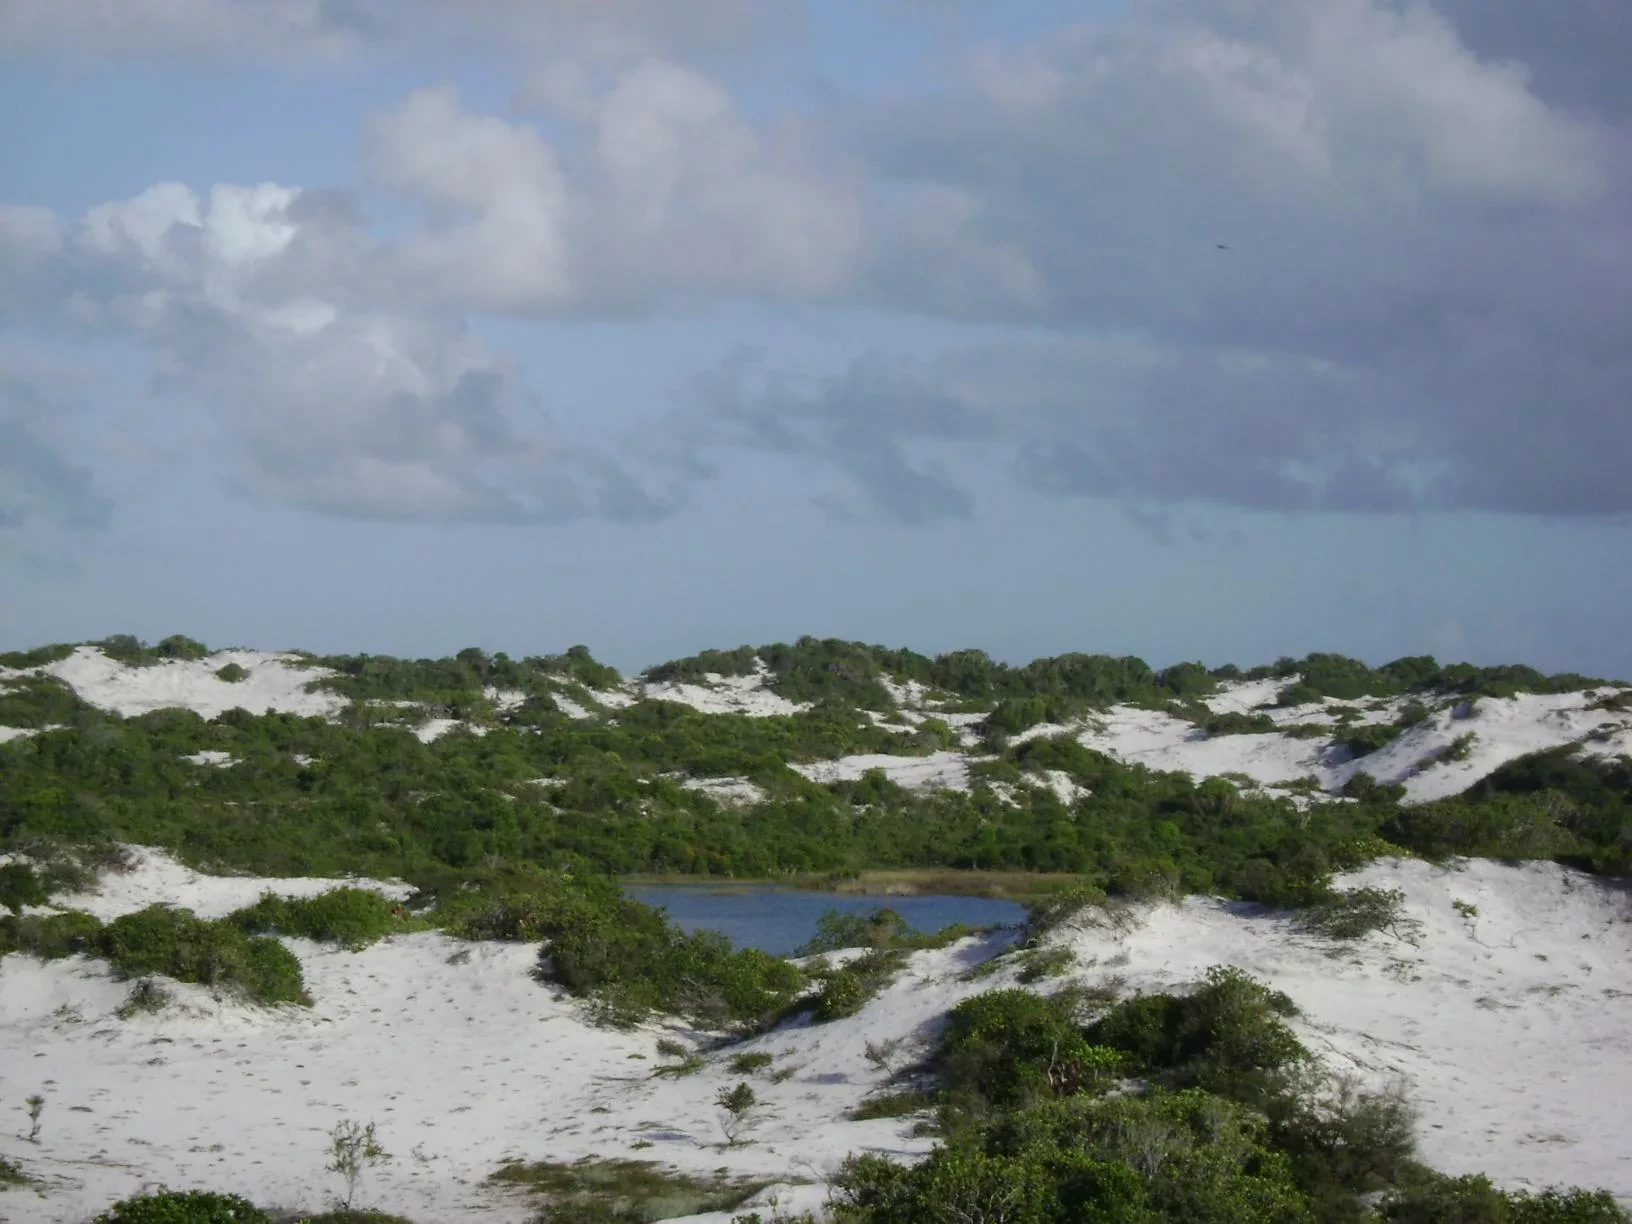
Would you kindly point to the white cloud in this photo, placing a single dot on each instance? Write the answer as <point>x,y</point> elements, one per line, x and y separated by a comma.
<point>669,192</point>
<point>503,243</point>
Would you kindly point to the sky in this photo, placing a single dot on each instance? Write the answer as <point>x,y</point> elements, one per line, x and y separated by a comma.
<point>1191,329</point>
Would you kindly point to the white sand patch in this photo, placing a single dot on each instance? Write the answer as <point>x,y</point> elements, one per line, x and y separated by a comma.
<point>725,695</point>
<point>727,790</point>
<point>211,756</point>
<point>569,707</point>
<point>461,1059</point>
<point>937,771</point>
<point>505,700</point>
<point>435,728</point>
<point>1158,740</point>
<point>7,734</point>
<point>896,721</point>
<point>154,878</point>
<point>907,694</point>
<point>1245,696</point>
<point>617,699</point>
<point>272,684</point>
<point>1511,1030</point>
<point>1503,730</point>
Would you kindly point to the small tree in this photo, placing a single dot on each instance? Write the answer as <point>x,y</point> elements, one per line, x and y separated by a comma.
<point>352,1148</point>
<point>737,1103</point>
<point>36,1106</point>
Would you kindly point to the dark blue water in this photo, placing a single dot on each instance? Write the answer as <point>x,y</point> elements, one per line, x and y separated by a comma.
<point>779,920</point>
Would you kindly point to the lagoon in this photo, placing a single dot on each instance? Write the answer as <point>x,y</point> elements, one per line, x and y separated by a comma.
<point>779,920</point>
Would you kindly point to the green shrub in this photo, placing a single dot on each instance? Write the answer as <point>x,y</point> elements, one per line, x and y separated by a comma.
<point>844,992</point>
<point>1235,723</point>
<point>1356,912</point>
<point>39,656</point>
<point>595,1191</point>
<point>232,673</point>
<point>351,917</point>
<point>184,1207</point>
<point>19,886</point>
<point>162,940</point>
<point>899,1104</point>
<point>1008,1049</point>
<point>51,936</point>
<point>1228,1036</point>
<point>749,1062</point>
<point>1474,1200</point>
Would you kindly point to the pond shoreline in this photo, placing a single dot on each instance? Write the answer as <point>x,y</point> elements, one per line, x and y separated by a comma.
<point>1018,886</point>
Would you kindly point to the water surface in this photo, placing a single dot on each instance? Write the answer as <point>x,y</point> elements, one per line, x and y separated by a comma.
<point>779,920</point>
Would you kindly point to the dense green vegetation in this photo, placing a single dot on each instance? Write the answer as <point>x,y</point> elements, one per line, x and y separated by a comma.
<point>362,794</point>
<point>1218,1116</point>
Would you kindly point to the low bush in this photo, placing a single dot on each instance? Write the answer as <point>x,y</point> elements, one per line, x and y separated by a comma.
<point>1228,1036</point>
<point>19,886</point>
<point>750,1062</point>
<point>51,936</point>
<point>594,1191</point>
<point>1356,912</point>
<point>232,673</point>
<point>1236,723</point>
<point>1474,1200</point>
<point>845,991</point>
<point>1008,1049</point>
<point>162,940</point>
<point>351,917</point>
<point>184,1207</point>
<point>898,1104</point>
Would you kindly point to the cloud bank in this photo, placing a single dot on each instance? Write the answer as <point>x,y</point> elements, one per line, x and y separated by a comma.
<point>1359,257</point>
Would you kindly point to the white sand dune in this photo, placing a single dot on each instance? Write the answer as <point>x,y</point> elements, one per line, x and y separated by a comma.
<point>211,756</point>
<point>1510,1031</point>
<point>1503,729</point>
<point>717,694</point>
<point>727,790</point>
<point>7,734</point>
<point>937,770</point>
<point>273,683</point>
<point>155,878</point>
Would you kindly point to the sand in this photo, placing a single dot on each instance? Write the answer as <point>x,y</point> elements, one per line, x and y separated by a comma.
<point>274,682</point>
<point>1510,1032</point>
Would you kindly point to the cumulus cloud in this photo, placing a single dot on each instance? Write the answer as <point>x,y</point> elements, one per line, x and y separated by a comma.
<point>1355,256</point>
<point>667,192</point>
<point>260,302</point>
<point>1420,302</point>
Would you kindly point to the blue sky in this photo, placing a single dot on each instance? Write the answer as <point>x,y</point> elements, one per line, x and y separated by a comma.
<point>1161,327</point>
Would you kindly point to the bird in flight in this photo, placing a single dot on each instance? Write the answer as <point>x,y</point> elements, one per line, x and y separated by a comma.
<point>1223,246</point>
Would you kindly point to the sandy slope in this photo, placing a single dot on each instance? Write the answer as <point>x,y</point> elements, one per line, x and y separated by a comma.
<point>155,878</point>
<point>273,683</point>
<point>1511,1031</point>
<point>1502,730</point>
<point>944,770</point>
<point>719,694</point>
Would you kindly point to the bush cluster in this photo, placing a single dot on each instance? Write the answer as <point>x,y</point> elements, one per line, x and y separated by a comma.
<point>1223,1121</point>
<point>351,917</point>
<point>174,943</point>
